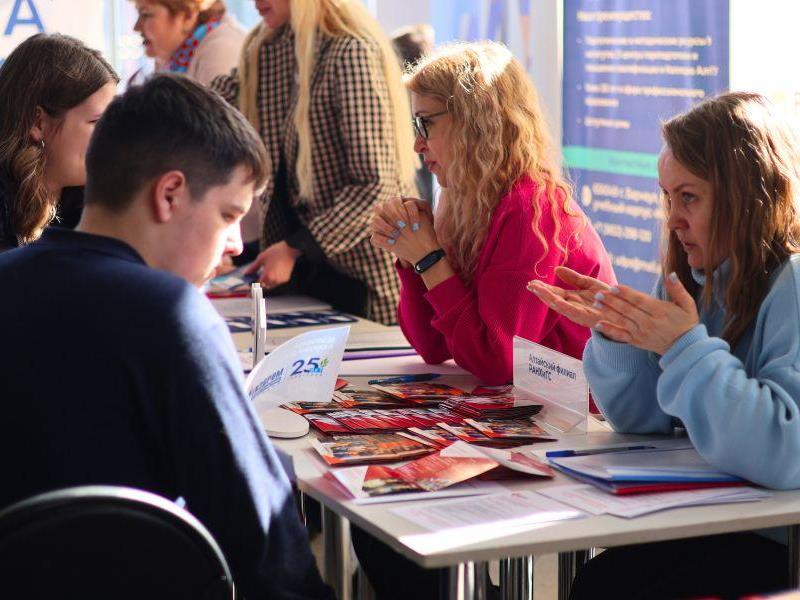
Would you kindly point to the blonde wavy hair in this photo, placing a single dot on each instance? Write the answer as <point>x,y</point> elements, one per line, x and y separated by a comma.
<point>740,144</point>
<point>334,18</point>
<point>498,135</point>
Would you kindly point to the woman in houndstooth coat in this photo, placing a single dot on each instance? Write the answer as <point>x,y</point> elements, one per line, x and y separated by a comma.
<point>320,82</point>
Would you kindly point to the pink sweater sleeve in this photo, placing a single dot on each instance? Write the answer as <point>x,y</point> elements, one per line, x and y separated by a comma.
<point>478,325</point>
<point>414,314</point>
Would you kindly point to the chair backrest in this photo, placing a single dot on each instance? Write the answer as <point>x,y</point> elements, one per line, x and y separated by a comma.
<point>108,542</point>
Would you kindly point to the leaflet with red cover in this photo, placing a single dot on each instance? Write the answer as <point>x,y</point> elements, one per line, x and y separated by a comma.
<point>509,406</point>
<point>355,449</point>
<point>420,391</point>
<point>510,429</point>
<point>325,424</point>
<point>440,437</point>
<point>352,398</point>
<point>306,408</point>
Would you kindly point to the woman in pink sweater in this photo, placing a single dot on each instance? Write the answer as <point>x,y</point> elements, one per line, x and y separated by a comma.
<point>505,217</point>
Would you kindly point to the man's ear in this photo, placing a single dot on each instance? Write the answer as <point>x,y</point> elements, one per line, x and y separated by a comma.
<point>170,193</point>
<point>40,125</point>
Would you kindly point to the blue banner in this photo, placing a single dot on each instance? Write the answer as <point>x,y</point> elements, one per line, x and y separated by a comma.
<point>628,66</point>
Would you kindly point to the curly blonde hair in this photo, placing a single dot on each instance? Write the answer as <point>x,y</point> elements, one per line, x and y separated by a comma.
<point>498,135</point>
<point>751,156</point>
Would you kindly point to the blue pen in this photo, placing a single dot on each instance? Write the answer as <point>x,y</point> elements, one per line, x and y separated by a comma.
<point>563,453</point>
<point>404,379</point>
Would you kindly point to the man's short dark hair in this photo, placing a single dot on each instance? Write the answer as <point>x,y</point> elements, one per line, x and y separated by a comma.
<point>170,123</point>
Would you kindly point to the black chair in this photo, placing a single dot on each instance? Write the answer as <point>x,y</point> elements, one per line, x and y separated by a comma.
<point>108,542</point>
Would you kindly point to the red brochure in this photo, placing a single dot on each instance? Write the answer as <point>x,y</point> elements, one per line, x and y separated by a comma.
<point>354,449</point>
<point>510,429</point>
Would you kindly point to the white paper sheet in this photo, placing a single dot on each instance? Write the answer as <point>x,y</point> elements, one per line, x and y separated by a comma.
<point>511,509</point>
<point>594,501</point>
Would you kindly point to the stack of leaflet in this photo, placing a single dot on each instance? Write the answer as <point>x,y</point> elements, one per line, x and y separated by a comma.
<point>633,471</point>
<point>508,406</point>
<point>515,429</point>
<point>378,420</point>
<point>423,393</point>
<point>355,449</point>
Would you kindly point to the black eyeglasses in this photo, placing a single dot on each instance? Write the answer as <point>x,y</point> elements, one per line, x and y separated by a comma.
<point>421,124</point>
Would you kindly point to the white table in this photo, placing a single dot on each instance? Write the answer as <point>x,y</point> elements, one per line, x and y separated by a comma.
<point>431,550</point>
<point>466,557</point>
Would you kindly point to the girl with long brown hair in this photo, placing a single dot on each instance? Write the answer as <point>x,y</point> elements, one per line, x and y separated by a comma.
<point>53,90</point>
<point>506,215</point>
<point>717,347</point>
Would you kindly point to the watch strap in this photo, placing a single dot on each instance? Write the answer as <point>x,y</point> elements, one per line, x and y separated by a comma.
<point>427,261</point>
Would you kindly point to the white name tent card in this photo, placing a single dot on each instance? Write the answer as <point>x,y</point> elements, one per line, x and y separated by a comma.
<point>556,381</point>
<point>304,368</point>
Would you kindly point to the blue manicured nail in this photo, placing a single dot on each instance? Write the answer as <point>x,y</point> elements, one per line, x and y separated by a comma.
<point>598,327</point>
<point>392,242</point>
<point>396,233</point>
<point>599,296</point>
<point>673,277</point>
<point>614,290</point>
<point>597,305</point>
<point>401,224</point>
<point>415,227</point>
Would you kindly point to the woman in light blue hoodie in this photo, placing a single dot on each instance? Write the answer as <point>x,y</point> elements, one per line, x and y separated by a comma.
<point>716,348</point>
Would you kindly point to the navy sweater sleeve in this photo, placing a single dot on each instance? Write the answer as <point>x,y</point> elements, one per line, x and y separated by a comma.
<point>225,467</point>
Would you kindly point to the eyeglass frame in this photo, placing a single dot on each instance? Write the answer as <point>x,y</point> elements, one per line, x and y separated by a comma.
<point>419,123</point>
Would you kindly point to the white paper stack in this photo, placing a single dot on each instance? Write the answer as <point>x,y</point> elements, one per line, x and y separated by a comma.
<point>596,502</point>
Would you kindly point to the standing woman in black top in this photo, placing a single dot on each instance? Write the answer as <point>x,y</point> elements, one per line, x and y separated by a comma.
<point>53,90</point>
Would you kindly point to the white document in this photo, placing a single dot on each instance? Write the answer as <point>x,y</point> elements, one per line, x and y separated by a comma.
<point>511,509</point>
<point>597,502</point>
<point>233,307</point>
<point>352,478</point>
<point>241,307</point>
<point>392,337</point>
<point>304,368</point>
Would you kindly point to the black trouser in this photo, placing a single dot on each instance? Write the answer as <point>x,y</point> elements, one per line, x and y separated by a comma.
<point>392,576</point>
<point>324,282</point>
<point>720,566</point>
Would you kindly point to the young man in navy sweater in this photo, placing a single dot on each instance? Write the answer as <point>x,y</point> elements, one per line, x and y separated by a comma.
<point>115,369</point>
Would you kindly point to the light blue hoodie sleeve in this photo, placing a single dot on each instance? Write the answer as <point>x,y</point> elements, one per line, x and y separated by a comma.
<point>743,420</point>
<point>745,424</point>
<point>623,381</point>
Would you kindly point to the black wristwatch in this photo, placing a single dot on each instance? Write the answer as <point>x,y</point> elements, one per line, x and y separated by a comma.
<point>427,261</point>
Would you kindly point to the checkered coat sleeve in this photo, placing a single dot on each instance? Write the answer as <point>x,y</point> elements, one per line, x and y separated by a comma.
<point>352,153</point>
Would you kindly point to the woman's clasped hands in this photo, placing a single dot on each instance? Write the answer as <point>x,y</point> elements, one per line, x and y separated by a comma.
<point>621,313</point>
<point>404,227</point>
